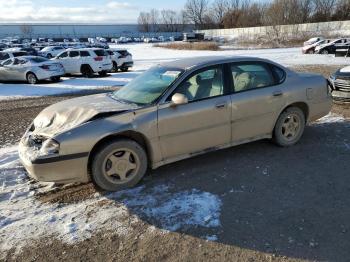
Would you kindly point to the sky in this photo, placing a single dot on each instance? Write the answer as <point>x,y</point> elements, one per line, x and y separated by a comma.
<point>83,11</point>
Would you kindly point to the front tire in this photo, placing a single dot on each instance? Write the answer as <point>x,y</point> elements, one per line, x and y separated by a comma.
<point>289,127</point>
<point>115,67</point>
<point>118,165</point>
<point>32,79</point>
<point>325,52</point>
<point>55,79</point>
<point>124,69</point>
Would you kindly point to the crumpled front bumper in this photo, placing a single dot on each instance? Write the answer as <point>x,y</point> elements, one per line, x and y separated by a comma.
<point>54,168</point>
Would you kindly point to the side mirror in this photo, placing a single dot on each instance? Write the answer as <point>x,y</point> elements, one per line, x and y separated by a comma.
<point>179,99</point>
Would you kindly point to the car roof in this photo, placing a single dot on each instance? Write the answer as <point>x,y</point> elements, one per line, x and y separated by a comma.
<point>187,63</point>
<point>85,49</point>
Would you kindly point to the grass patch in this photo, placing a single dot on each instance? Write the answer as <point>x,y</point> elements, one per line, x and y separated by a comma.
<point>191,46</point>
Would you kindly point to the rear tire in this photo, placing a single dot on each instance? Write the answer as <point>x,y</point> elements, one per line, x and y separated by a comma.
<point>86,71</point>
<point>49,56</point>
<point>118,165</point>
<point>31,78</point>
<point>124,69</point>
<point>289,127</point>
<point>325,52</point>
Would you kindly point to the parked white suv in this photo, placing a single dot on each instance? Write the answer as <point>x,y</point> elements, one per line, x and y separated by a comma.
<point>51,51</point>
<point>121,59</point>
<point>86,61</point>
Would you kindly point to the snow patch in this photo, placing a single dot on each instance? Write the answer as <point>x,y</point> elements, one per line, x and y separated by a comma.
<point>331,118</point>
<point>24,218</point>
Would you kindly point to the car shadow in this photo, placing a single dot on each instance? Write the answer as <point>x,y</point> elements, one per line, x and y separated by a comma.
<point>291,202</point>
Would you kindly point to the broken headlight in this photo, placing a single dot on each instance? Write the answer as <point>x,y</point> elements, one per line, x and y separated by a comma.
<point>49,147</point>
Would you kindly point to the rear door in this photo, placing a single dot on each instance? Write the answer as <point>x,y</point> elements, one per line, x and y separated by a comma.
<point>257,100</point>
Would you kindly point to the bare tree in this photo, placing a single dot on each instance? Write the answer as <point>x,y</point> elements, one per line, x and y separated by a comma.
<point>144,22</point>
<point>342,11</point>
<point>323,10</point>
<point>154,20</point>
<point>169,20</point>
<point>26,29</point>
<point>196,11</point>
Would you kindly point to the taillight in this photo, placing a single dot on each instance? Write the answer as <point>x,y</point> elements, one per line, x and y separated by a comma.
<point>98,58</point>
<point>45,67</point>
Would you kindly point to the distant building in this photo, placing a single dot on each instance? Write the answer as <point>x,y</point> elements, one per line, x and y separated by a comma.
<point>55,30</point>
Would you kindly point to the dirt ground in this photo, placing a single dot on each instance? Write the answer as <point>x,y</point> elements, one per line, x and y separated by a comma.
<point>278,204</point>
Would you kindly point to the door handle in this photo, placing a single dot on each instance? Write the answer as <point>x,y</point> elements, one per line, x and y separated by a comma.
<point>277,93</point>
<point>220,105</point>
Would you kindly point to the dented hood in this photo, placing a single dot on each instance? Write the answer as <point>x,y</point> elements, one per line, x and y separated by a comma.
<point>70,113</point>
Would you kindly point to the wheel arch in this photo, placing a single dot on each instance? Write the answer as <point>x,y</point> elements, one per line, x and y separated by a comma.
<point>301,105</point>
<point>129,134</point>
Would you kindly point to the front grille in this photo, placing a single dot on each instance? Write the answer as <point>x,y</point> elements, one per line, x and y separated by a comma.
<point>342,85</point>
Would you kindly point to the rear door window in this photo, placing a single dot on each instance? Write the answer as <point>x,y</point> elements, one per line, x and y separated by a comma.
<point>84,53</point>
<point>100,52</point>
<point>251,75</point>
<point>73,53</point>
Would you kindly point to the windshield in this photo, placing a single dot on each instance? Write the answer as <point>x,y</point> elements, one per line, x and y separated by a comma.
<point>149,86</point>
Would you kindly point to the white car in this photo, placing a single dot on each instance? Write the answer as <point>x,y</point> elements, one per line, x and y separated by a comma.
<point>313,40</point>
<point>30,69</point>
<point>121,59</point>
<point>51,51</point>
<point>4,55</point>
<point>85,61</point>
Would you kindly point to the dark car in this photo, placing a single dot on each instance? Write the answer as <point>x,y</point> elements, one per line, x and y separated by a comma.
<point>330,47</point>
<point>343,50</point>
<point>340,82</point>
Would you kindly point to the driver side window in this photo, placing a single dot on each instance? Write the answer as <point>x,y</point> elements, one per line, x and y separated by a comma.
<point>204,84</point>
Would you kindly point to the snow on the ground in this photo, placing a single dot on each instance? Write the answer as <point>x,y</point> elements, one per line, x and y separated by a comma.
<point>23,217</point>
<point>145,56</point>
<point>67,85</point>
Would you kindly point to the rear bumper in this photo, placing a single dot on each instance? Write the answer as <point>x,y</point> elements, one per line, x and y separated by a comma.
<point>318,110</point>
<point>127,64</point>
<point>42,74</point>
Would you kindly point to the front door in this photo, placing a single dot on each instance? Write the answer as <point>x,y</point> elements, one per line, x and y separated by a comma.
<point>201,124</point>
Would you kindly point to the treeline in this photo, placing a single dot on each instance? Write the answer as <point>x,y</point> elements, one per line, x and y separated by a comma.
<point>205,14</point>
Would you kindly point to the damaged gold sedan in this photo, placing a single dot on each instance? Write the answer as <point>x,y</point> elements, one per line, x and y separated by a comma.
<point>171,112</point>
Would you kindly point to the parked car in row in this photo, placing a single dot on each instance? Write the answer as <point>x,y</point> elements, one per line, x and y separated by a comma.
<point>31,69</point>
<point>340,81</point>
<point>4,55</point>
<point>51,51</point>
<point>342,49</point>
<point>310,48</point>
<point>313,40</point>
<point>121,59</point>
<point>173,111</point>
<point>329,48</point>
<point>28,50</point>
<point>85,61</point>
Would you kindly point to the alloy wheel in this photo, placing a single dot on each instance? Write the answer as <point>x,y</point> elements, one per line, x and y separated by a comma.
<point>121,166</point>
